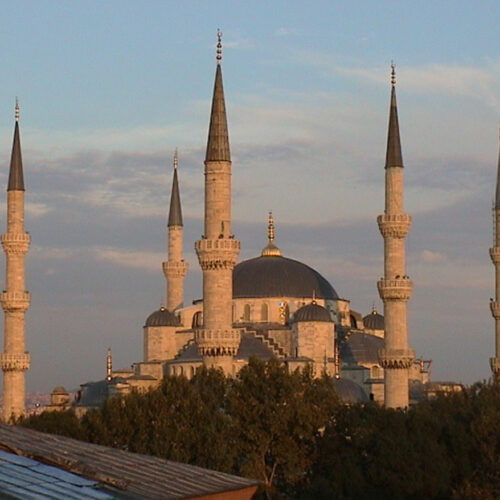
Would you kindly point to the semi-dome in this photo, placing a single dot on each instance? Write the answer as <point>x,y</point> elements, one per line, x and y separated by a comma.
<point>350,392</point>
<point>277,276</point>
<point>312,312</point>
<point>162,317</point>
<point>374,321</point>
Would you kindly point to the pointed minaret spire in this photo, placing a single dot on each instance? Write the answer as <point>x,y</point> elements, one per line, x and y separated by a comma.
<point>175,268</point>
<point>175,213</point>
<point>394,158</point>
<point>16,178</point>
<point>218,136</point>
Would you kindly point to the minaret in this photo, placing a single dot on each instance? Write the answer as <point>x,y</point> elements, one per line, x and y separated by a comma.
<point>495,257</point>
<point>15,299</point>
<point>217,251</point>
<point>395,287</point>
<point>175,268</point>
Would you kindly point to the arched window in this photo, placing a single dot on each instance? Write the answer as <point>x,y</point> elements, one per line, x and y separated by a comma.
<point>246,312</point>
<point>181,371</point>
<point>354,323</point>
<point>197,320</point>
<point>264,312</point>
<point>234,313</point>
<point>192,372</point>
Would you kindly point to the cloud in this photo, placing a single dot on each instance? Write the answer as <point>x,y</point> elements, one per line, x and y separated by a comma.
<point>480,81</point>
<point>282,32</point>
<point>147,261</point>
<point>429,257</point>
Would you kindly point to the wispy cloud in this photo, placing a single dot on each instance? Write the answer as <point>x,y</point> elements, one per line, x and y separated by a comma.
<point>282,32</point>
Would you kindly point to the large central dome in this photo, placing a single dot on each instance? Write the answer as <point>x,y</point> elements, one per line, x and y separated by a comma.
<point>277,276</point>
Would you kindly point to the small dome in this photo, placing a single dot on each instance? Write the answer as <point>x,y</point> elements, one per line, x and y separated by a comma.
<point>374,321</point>
<point>312,312</point>
<point>350,392</point>
<point>59,390</point>
<point>162,317</point>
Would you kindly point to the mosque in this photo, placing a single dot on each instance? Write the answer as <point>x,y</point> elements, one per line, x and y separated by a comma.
<point>270,306</point>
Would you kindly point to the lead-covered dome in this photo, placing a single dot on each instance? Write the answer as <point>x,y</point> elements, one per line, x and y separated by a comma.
<point>277,276</point>
<point>162,317</point>
<point>374,321</point>
<point>312,312</point>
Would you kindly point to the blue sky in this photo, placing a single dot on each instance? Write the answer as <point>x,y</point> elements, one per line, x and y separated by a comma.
<point>109,89</point>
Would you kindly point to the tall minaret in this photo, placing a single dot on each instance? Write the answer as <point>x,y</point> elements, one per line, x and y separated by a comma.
<point>217,251</point>
<point>175,268</point>
<point>495,257</point>
<point>395,287</point>
<point>15,299</point>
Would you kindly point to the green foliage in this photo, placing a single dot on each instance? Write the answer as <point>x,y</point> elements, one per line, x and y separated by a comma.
<point>64,423</point>
<point>277,418</point>
<point>289,431</point>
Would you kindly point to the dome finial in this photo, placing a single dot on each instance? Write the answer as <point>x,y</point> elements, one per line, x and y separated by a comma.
<point>109,365</point>
<point>393,74</point>
<point>218,52</point>
<point>271,249</point>
<point>176,160</point>
<point>270,227</point>
<point>314,296</point>
<point>17,111</point>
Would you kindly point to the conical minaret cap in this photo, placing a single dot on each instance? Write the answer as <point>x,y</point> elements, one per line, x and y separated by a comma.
<point>175,213</point>
<point>218,136</point>
<point>16,178</point>
<point>394,158</point>
<point>497,197</point>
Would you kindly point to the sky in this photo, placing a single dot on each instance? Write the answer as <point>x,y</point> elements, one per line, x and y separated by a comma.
<point>109,89</point>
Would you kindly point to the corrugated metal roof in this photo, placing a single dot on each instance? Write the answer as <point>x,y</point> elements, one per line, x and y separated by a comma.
<point>134,475</point>
<point>24,478</point>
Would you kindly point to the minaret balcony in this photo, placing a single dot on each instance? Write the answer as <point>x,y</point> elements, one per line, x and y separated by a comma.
<point>495,366</point>
<point>15,362</point>
<point>396,358</point>
<point>394,225</point>
<point>495,308</point>
<point>15,301</point>
<point>219,253</point>
<point>175,268</point>
<point>495,255</point>
<point>214,342</point>
<point>15,243</point>
<point>395,289</point>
